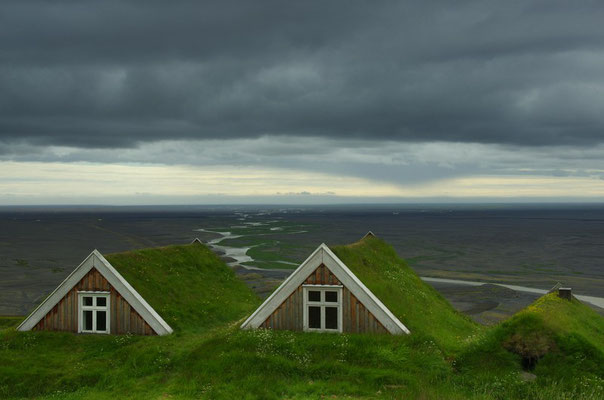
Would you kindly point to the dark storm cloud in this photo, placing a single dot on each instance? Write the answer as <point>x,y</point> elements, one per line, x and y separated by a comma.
<point>114,74</point>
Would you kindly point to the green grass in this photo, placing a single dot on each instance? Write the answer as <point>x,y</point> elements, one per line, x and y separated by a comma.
<point>446,356</point>
<point>7,322</point>
<point>189,286</point>
<point>560,341</point>
<point>416,304</point>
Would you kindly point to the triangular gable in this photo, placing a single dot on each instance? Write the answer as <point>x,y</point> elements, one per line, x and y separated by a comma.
<point>555,288</point>
<point>115,279</point>
<point>323,255</point>
<point>196,240</point>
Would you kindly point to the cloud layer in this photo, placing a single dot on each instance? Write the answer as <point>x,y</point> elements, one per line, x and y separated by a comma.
<point>118,74</point>
<point>300,100</point>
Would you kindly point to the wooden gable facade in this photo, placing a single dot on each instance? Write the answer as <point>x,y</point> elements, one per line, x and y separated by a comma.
<point>355,316</point>
<point>358,310</point>
<point>95,298</point>
<point>123,318</point>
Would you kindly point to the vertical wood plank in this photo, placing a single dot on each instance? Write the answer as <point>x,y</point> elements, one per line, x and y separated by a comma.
<point>118,314</point>
<point>74,311</point>
<point>361,318</point>
<point>355,312</point>
<point>296,311</point>
<point>287,318</point>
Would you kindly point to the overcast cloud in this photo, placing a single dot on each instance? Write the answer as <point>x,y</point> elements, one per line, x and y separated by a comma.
<point>399,92</point>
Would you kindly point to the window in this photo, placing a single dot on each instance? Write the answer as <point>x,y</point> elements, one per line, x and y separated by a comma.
<point>93,312</point>
<point>323,308</point>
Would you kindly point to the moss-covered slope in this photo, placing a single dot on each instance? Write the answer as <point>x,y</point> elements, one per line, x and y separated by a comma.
<point>557,336</point>
<point>416,304</point>
<point>189,286</point>
<point>560,341</point>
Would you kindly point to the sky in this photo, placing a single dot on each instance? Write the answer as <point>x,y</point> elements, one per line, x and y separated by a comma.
<point>189,102</point>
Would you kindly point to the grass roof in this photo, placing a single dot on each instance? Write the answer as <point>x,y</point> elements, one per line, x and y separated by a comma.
<point>552,333</point>
<point>565,318</point>
<point>189,286</point>
<point>554,338</point>
<point>416,304</point>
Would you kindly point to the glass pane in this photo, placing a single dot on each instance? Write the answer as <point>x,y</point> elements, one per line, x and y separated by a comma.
<point>101,301</point>
<point>332,297</point>
<point>314,317</point>
<point>87,323</point>
<point>314,295</point>
<point>87,301</point>
<point>331,317</point>
<point>101,321</point>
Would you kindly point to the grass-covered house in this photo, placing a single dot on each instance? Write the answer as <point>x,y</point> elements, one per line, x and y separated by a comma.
<point>96,298</point>
<point>145,292</point>
<point>208,356</point>
<point>324,295</point>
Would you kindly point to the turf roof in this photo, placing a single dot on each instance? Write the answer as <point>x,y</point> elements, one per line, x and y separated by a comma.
<point>415,303</point>
<point>189,286</point>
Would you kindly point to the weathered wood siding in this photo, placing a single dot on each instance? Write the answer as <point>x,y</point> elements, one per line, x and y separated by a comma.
<point>355,317</point>
<point>322,276</point>
<point>288,315</point>
<point>123,318</point>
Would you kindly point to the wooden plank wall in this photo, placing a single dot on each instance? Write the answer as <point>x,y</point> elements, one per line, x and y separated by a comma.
<point>355,318</point>
<point>288,315</point>
<point>322,276</point>
<point>64,316</point>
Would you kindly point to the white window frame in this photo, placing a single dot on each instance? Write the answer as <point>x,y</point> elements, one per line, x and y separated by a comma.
<point>94,308</point>
<point>322,304</point>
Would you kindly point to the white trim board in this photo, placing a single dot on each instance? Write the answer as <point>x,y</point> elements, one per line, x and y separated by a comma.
<point>323,255</point>
<point>115,279</point>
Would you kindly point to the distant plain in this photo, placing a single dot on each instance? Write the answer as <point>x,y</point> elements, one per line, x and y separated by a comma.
<point>529,245</point>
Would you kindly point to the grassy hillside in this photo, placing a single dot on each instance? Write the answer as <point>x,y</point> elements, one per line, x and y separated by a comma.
<point>416,304</point>
<point>189,286</point>
<point>445,357</point>
<point>560,342</point>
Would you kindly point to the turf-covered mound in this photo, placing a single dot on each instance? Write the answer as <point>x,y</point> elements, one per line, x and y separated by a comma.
<point>553,332</point>
<point>189,286</point>
<point>561,342</point>
<point>416,304</point>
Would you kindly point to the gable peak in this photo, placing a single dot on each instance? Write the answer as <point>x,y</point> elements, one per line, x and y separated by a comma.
<point>369,234</point>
